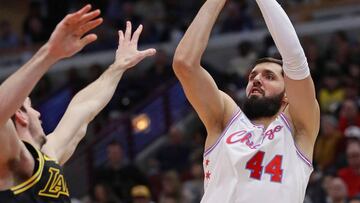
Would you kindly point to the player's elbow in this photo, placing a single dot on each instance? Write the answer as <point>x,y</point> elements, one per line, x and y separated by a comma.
<point>182,64</point>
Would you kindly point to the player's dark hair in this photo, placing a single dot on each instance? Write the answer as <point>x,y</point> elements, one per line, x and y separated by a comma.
<point>269,60</point>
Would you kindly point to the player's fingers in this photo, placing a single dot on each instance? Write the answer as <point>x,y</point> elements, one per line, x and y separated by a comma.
<point>88,39</point>
<point>136,35</point>
<point>73,18</point>
<point>89,16</point>
<point>128,31</point>
<point>147,53</point>
<point>121,37</point>
<point>83,10</point>
<point>89,26</point>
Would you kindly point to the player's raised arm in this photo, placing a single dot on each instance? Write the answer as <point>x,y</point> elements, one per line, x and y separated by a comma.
<point>66,40</point>
<point>87,103</point>
<point>300,91</point>
<point>213,106</point>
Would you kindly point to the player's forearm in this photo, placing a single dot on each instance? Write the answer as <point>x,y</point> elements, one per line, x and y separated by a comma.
<point>195,40</point>
<point>92,99</point>
<point>285,38</point>
<point>18,86</point>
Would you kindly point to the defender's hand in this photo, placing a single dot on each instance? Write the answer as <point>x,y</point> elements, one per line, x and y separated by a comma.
<point>68,37</point>
<point>127,54</point>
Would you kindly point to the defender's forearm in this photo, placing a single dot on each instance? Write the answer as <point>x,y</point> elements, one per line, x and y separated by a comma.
<point>18,86</point>
<point>93,98</point>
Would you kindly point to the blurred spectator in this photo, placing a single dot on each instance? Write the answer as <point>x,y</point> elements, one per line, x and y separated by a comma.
<point>355,199</point>
<point>150,34</point>
<point>34,26</point>
<point>352,89</point>
<point>196,143</point>
<point>152,10</point>
<point>236,18</point>
<point>127,13</point>
<point>95,70</point>
<point>351,174</point>
<point>168,199</point>
<point>339,49</point>
<point>193,189</point>
<point>352,132</point>
<point>175,153</point>
<point>141,194</point>
<point>354,71</point>
<point>112,13</point>
<point>355,52</point>
<point>337,192</point>
<point>315,59</point>
<point>42,89</point>
<point>101,193</point>
<point>331,94</point>
<point>121,177</point>
<point>171,187</point>
<point>244,60</point>
<point>326,147</point>
<point>8,38</point>
<point>75,80</point>
<point>56,11</point>
<point>349,115</point>
<point>269,49</point>
<point>159,72</point>
<point>317,187</point>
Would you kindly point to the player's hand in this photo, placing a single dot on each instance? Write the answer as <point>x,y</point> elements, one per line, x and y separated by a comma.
<point>127,54</point>
<point>69,37</point>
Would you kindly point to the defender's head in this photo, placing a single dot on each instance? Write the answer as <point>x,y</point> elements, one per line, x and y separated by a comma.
<point>27,121</point>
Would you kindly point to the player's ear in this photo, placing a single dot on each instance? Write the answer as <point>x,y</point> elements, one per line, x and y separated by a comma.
<point>285,99</point>
<point>21,118</point>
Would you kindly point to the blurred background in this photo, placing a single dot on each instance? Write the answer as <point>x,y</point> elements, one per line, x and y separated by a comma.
<point>147,144</point>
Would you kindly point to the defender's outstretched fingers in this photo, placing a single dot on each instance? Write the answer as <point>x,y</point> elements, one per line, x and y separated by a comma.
<point>74,17</point>
<point>136,35</point>
<point>84,10</point>
<point>89,26</point>
<point>128,31</point>
<point>121,37</point>
<point>88,39</point>
<point>147,53</point>
<point>89,16</point>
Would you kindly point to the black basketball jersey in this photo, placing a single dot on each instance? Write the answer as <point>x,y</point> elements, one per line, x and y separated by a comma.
<point>46,185</point>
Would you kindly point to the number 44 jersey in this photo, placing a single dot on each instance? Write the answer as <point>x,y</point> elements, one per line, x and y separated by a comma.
<point>251,164</point>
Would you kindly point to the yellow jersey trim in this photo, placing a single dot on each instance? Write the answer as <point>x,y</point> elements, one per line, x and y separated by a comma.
<point>47,158</point>
<point>33,179</point>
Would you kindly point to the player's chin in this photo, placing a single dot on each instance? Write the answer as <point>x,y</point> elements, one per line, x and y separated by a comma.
<point>255,96</point>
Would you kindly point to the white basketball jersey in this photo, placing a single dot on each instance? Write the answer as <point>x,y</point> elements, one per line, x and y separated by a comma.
<point>250,164</point>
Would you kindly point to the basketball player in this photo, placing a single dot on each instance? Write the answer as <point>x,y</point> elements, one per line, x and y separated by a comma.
<point>262,151</point>
<point>30,167</point>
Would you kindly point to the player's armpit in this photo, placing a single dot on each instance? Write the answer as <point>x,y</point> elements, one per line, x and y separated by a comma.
<point>10,144</point>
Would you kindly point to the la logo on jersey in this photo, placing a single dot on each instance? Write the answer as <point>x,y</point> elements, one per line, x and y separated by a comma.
<point>55,186</point>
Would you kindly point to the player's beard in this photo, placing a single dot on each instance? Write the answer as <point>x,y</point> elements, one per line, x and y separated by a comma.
<point>256,107</point>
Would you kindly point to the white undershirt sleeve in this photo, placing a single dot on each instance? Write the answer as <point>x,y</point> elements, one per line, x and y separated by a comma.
<point>282,31</point>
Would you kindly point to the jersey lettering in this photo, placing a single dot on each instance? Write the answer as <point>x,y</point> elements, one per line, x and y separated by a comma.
<point>55,186</point>
<point>273,167</point>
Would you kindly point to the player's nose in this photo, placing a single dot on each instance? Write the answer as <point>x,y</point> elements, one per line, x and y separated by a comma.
<point>257,82</point>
